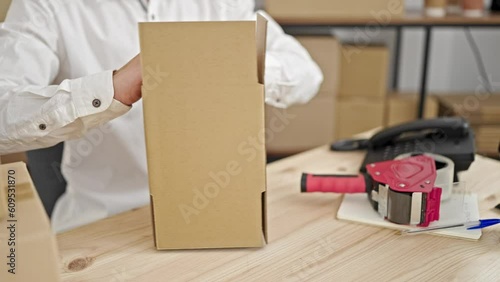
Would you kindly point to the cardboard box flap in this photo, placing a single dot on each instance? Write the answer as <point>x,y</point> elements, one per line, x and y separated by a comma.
<point>261,47</point>
<point>208,53</point>
<point>261,71</point>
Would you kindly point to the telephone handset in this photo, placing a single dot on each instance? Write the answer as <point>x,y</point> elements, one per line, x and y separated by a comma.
<point>450,136</point>
<point>452,128</point>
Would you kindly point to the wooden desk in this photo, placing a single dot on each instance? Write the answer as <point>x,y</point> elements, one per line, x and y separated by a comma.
<point>306,241</point>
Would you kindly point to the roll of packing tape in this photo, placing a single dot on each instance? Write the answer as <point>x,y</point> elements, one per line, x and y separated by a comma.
<point>444,168</point>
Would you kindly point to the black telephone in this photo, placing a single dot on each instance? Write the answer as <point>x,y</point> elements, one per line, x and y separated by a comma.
<point>449,136</point>
<point>495,5</point>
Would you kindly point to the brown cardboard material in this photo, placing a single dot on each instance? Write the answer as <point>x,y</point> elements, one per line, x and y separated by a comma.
<point>325,51</point>
<point>357,115</point>
<point>34,247</point>
<point>13,158</point>
<point>203,99</point>
<point>403,108</point>
<point>290,10</point>
<point>487,139</point>
<point>301,127</point>
<point>364,71</point>
<point>482,111</point>
<point>4,7</point>
<point>477,108</point>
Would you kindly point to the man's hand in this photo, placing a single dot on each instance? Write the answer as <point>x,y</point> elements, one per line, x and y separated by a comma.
<point>127,82</point>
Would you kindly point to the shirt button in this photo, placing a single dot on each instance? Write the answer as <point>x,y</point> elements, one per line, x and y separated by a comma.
<point>96,103</point>
<point>42,126</point>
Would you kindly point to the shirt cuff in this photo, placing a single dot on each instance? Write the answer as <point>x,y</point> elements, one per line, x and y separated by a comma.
<point>92,94</point>
<point>114,110</point>
<point>93,99</point>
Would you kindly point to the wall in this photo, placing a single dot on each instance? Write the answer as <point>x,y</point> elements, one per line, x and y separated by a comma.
<point>452,65</point>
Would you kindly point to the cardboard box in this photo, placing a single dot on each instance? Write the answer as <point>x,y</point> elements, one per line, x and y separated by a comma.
<point>477,108</point>
<point>357,115</point>
<point>325,51</point>
<point>487,139</point>
<point>381,11</point>
<point>303,127</point>
<point>203,98</point>
<point>300,128</point>
<point>403,108</point>
<point>27,244</point>
<point>13,158</point>
<point>364,71</point>
<point>4,7</point>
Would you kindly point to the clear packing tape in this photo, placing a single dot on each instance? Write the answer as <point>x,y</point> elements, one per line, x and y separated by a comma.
<point>458,205</point>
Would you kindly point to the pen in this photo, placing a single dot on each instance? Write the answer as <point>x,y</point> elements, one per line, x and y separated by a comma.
<point>471,225</point>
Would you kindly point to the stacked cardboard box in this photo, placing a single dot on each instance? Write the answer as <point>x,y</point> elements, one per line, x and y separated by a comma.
<point>32,252</point>
<point>303,127</point>
<point>357,114</point>
<point>211,190</point>
<point>363,88</point>
<point>4,7</point>
<point>483,113</point>
<point>324,10</point>
<point>403,107</point>
<point>352,98</point>
<point>12,158</point>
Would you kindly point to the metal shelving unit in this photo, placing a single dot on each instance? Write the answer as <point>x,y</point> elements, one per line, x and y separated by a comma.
<point>322,26</point>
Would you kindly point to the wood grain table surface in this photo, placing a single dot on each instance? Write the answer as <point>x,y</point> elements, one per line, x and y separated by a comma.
<point>306,241</point>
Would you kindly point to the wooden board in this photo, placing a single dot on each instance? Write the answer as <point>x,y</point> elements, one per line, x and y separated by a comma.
<point>306,241</point>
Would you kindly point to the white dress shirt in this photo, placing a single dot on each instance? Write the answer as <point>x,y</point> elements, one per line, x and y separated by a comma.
<point>56,63</point>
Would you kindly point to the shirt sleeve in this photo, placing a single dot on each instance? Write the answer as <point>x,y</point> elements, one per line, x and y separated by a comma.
<point>33,113</point>
<point>292,76</point>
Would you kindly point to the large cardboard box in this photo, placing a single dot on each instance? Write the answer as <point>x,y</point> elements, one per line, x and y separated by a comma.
<point>403,108</point>
<point>293,11</point>
<point>357,115</point>
<point>364,71</point>
<point>301,127</point>
<point>203,98</point>
<point>27,244</point>
<point>4,7</point>
<point>325,51</point>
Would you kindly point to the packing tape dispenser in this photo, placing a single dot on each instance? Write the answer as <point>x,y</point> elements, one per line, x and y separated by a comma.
<point>403,191</point>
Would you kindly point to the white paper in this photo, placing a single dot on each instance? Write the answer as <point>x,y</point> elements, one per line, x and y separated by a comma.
<point>357,208</point>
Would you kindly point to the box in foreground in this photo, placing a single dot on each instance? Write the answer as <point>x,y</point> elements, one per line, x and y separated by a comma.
<point>27,245</point>
<point>204,126</point>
